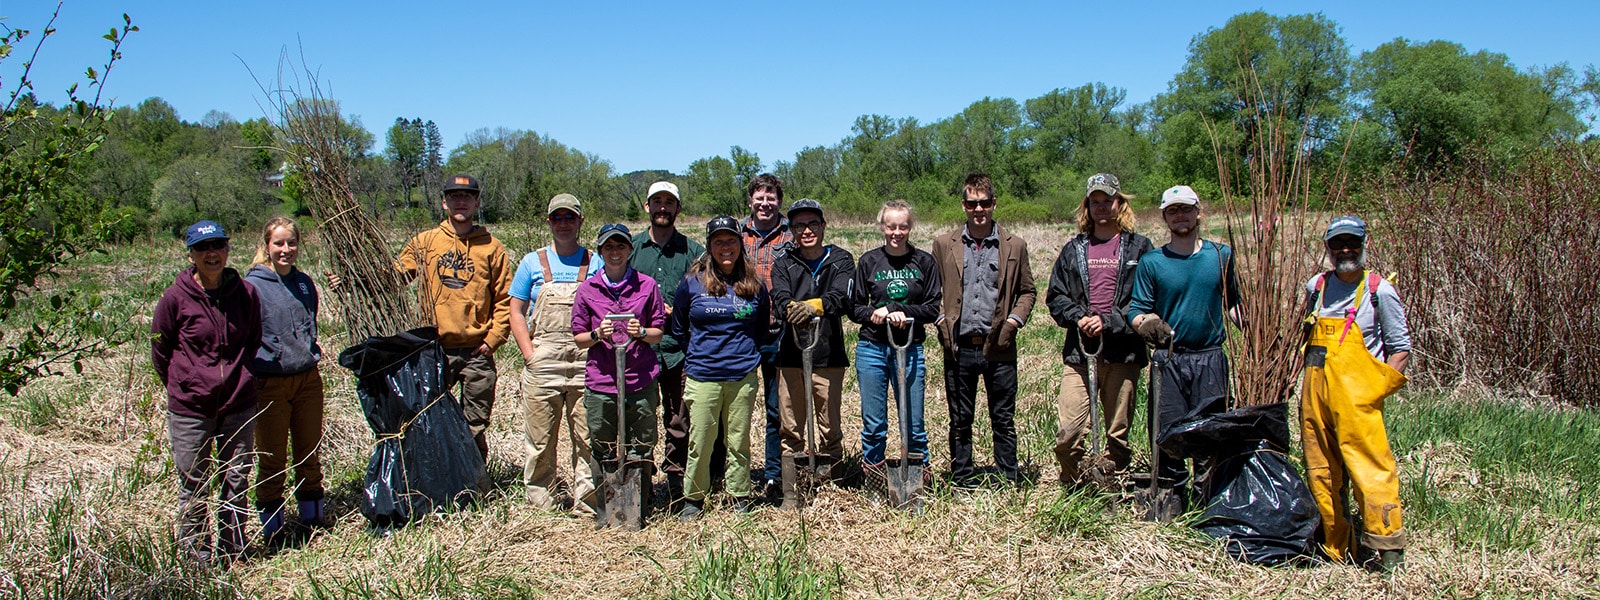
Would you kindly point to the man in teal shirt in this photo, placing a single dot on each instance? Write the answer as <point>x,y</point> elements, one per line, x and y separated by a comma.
<point>662,252</point>
<point>1189,283</point>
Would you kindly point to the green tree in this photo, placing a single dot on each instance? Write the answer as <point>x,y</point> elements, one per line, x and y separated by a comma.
<point>1430,101</point>
<point>406,152</point>
<point>200,186</point>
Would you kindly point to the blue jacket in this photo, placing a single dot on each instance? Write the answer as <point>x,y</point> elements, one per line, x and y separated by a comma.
<point>288,322</point>
<point>725,333</point>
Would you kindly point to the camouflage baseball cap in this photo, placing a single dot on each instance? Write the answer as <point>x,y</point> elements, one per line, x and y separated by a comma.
<point>1104,182</point>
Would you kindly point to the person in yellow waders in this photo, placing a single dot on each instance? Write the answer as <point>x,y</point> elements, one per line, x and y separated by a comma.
<point>1356,351</point>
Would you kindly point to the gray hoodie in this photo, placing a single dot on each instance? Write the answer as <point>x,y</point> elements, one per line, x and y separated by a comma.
<point>288,322</point>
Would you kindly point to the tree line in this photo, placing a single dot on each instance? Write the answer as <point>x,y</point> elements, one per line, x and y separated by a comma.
<point>1405,104</point>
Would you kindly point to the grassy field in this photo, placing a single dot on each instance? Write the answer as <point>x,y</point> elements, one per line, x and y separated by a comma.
<point>1502,499</point>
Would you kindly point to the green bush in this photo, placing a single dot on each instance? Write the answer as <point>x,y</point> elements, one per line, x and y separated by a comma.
<point>123,224</point>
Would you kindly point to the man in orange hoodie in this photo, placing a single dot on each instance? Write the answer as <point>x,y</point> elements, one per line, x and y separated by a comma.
<point>466,283</point>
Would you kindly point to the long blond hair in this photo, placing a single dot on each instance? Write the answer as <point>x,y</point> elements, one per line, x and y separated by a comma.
<point>1125,218</point>
<point>266,238</point>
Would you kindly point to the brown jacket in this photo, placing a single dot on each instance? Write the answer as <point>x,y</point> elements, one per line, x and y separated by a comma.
<point>1017,293</point>
<point>468,282</point>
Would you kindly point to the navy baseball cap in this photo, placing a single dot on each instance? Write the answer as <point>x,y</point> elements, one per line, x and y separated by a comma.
<point>202,231</point>
<point>1346,225</point>
<point>613,230</point>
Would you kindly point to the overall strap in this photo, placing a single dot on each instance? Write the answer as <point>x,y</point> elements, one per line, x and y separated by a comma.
<point>583,267</point>
<point>544,263</point>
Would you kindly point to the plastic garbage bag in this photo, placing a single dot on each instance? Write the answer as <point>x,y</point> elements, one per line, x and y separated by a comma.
<point>425,458</point>
<point>1256,500</point>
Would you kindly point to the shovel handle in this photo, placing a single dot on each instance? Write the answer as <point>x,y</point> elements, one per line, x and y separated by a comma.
<point>619,341</point>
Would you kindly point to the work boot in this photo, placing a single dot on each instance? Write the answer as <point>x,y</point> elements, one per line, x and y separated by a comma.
<point>271,522</point>
<point>1388,561</point>
<point>674,490</point>
<point>791,485</point>
<point>313,513</point>
<point>692,510</point>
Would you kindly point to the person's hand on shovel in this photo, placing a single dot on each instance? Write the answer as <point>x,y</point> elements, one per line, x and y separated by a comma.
<point>800,312</point>
<point>1091,325</point>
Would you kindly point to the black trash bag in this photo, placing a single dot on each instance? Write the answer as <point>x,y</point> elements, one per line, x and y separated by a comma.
<point>425,458</point>
<point>1256,501</point>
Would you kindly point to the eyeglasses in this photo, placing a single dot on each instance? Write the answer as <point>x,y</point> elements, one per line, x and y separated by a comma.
<point>979,203</point>
<point>811,225</point>
<point>209,245</point>
<point>1180,209</point>
<point>1344,244</point>
<point>562,218</point>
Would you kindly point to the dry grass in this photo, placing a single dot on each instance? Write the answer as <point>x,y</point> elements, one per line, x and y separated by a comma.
<point>76,492</point>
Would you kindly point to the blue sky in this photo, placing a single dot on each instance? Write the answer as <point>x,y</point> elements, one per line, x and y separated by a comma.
<point>657,85</point>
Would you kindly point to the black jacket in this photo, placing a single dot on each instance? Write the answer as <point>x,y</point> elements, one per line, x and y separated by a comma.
<point>1068,299</point>
<point>908,284</point>
<point>793,280</point>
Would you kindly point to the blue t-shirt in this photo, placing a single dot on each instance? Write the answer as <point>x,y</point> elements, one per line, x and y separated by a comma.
<point>1187,293</point>
<point>530,276</point>
<point>725,332</point>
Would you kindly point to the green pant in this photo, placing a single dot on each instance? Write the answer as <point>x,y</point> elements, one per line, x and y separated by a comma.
<point>640,412</point>
<point>719,407</point>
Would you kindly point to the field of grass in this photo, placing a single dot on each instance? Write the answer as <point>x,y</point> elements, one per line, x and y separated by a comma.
<point>1502,499</point>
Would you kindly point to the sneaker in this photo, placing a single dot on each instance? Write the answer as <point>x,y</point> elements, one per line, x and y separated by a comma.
<point>692,510</point>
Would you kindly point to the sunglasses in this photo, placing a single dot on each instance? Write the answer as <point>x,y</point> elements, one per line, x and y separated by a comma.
<point>980,203</point>
<point>1344,244</point>
<point>562,218</point>
<point>209,245</point>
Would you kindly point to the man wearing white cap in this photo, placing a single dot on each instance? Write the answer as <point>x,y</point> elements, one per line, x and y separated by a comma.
<point>1181,292</point>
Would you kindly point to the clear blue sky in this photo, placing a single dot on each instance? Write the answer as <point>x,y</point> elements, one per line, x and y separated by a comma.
<point>657,85</point>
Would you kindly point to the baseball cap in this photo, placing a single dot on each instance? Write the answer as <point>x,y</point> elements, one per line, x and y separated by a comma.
<point>1346,224</point>
<point>1179,194</point>
<point>202,231</point>
<point>663,186</point>
<point>806,204</point>
<point>612,230</point>
<point>567,201</point>
<point>1104,182</point>
<point>721,223</point>
<point>461,182</point>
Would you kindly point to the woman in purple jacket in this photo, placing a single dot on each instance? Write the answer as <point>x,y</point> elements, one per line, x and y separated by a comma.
<point>207,329</point>
<point>621,290</point>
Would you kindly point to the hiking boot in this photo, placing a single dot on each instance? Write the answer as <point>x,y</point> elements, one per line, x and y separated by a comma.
<point>692,510</point>
<point>1389,561</point>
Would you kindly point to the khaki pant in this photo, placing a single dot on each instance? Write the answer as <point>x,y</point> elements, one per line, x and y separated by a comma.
<point>291,411</point>
<point>1117,384</point>
<point>827,385</point>
<point>477,377</point>
<point>552,392</point>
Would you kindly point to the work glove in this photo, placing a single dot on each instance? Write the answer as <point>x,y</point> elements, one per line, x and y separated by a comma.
<point>1155,331</point>
<point>799,313</point>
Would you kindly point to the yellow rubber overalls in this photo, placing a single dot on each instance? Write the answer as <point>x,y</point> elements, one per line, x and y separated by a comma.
<point>552,387</point>
<point>1341,419</point>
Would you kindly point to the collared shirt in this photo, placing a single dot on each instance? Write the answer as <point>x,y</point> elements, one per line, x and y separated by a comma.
<point>980,282</point>
<point>666,264</point>
<point>764,249</point>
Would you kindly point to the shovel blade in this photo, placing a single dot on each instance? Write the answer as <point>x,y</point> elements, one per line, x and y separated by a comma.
<point>624,498</point>
<point>905,486</point>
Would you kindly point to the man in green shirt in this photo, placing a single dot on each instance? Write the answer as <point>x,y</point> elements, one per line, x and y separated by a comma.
<point>661,252</point>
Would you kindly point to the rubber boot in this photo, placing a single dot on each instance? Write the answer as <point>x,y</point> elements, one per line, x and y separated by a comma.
<point>313,513</point>
<point>791,485</point>
<point>271,523</point>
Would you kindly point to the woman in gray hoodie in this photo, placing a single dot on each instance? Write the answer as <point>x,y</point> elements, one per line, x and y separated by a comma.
<point>291,398</point>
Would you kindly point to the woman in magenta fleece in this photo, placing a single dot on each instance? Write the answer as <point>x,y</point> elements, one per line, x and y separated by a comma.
<point>207,328</point>
<point>619,290</point>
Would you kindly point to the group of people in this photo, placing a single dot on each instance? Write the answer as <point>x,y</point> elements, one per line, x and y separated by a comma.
<point>704,330</point>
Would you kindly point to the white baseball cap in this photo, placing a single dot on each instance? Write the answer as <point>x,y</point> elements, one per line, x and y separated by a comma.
<point>1179,194</point>
<point>664,186</point>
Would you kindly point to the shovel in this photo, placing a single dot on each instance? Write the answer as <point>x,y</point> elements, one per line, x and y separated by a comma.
<point>804,480</point>
<point>905,480</point>
<point>623,493</point>
<point>1098,472</point>
<point>1155,503</point>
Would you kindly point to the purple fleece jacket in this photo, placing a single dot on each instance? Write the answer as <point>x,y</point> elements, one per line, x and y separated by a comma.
<point>203,343</point>
<point>595,299</point>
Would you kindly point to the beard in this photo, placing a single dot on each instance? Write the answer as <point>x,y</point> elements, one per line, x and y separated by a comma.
<point>663,219</point>
<point>1345,265</point>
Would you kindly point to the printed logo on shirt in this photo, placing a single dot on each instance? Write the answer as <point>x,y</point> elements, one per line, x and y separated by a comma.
<point>898,289</point>
<point>454,269</point>
<point>303,290</point>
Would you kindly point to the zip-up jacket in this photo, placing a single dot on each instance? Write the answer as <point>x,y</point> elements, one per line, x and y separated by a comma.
<point>1068,300</point>
<point>908,283</point>
<point>792,280</point>
<point>203,343</point>
<point>468,279</point>
<point>288,322</point>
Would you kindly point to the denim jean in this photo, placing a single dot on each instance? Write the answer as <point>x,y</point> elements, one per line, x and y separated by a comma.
<point>875,373</point>
<point>773,448</point>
